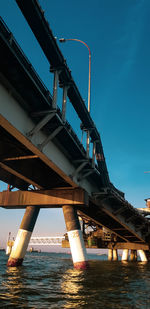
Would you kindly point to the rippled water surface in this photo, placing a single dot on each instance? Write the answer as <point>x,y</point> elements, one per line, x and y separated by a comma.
<point>48,280</point>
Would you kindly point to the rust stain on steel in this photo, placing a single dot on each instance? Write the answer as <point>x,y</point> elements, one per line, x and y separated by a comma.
<point>44,198</point>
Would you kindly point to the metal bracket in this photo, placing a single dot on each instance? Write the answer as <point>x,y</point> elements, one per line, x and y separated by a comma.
<point>42,113</point>
<point>42,123</point>
<point>55,87</point>
<point>65,90</point>
<point>119,211</point>
<point>79,168</point>
<point>139,228</point>
<point>50,137</point>
<point>80,161</point>
<point>104,191</point>
<point>129,219</point>
<point>93,154</point>
<point>88,172</point>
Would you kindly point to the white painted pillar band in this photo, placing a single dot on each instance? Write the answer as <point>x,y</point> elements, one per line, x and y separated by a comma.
<point>142,255</point>
<point>20,245</point>
<point>77,246</point>
<point>23,237</point>
<point>125,255</point>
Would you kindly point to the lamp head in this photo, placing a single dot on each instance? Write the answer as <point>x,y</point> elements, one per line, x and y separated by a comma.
<point>62,40</point>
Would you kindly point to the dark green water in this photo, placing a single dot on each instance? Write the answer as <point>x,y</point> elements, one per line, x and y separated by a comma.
<point>48,280</point>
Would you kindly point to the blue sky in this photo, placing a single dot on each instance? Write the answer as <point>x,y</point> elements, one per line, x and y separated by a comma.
<point>117,33</point>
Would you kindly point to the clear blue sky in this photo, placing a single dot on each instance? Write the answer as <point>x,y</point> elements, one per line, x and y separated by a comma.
<point>117,33</point>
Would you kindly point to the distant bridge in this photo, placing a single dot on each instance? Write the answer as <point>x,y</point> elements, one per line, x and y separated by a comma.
<point>46,241</point>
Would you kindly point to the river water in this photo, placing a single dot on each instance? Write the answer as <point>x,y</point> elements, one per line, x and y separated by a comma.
<point>48,280</point>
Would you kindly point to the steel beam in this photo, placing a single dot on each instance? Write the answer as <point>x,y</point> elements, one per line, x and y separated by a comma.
<point>44,198</point>
<point>131,246</point>
<point>107,208</point>
<point>119,210</point>
<point>50,137</point>
<point>41,124</point>
<point>21,158</point>
<point>19,175</point>
<point>55,88</point>
<point>65,89</point>
<point>79,168</point>
<point>88,172</point>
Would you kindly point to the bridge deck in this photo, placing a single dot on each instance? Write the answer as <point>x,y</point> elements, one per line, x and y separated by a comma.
<point>17,75</point>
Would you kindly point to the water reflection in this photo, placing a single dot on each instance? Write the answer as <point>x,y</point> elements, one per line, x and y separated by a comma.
<point>49,281</point>
<point>72,286</point>
<point>13,285</point>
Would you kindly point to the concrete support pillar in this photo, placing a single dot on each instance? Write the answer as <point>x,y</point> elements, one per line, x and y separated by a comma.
<point>142,255</point>
<point>75,236</point>
<point>133,255</point>
<point>125,255</point>
<point>110,254</point>
<point>23,237</point>
<point>115,255</point>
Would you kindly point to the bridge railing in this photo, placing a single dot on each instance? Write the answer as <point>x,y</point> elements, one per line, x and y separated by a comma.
<point>18,50</point>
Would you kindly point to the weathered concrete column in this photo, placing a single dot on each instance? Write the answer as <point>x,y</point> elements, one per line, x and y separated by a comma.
<point>75,236</point>
<point>142,255</point>
<point>115,255</point>
<point>133,255</point>
<point>110,254</point>
<point>23,237</point>
<point>125,255</point>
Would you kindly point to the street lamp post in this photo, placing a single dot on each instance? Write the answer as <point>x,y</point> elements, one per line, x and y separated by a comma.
<point>89,85</point>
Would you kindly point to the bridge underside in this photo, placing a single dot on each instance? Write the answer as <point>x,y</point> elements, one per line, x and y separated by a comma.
<point>21,163</point>
<point>26,161</point>
<point>20,167</point>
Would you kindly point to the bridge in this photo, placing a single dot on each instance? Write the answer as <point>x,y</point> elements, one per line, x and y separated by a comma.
<point>43,158</point>
<point>46,241</point>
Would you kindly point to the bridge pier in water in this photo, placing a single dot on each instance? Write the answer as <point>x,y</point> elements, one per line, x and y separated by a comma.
<point>75,236</point>
<point>23,237</point>
<point>115,254</point>
<point>133,255</point>
<point>125,255</point>
<point>142,255</point>
<point>112,255</point>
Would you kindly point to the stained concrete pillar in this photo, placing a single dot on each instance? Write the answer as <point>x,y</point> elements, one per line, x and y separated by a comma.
<point>110,254</point>
<point>142,255</point>
<point>77,246</point>
<point>125,255</point>
<point>23,237</point>
<point>115,255</point>
<point>133,255</point>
